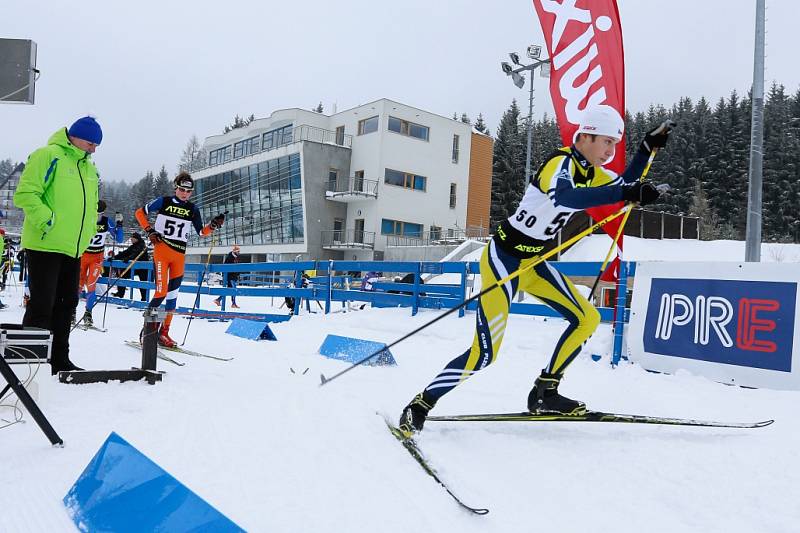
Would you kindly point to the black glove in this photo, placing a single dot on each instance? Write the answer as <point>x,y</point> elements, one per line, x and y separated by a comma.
<point>153,235</point>
<point>118,219</point>
<point>657,137</point>
<point>641,193</point>
<point>217,221</point>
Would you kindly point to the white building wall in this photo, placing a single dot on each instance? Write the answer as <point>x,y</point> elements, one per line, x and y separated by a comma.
<point>373,153</point>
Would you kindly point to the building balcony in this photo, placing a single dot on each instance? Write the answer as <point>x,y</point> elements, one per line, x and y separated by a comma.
<point>340,239</point>
<point>351,189</point>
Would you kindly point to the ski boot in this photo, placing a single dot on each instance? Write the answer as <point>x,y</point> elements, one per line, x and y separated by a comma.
<point>413,416</point>
<point>234,306</point>
<point>545,399</point>
<point>164,338</point>
<point>88,321</point>
<point>217,302</point>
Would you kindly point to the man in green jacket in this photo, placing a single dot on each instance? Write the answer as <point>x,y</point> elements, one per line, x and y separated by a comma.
<point>58,193</point>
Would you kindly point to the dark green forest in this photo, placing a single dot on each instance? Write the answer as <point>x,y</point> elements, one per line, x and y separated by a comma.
<point>706,162</point>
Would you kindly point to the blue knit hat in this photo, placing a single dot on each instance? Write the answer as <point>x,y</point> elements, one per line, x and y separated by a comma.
<point>88,129</point>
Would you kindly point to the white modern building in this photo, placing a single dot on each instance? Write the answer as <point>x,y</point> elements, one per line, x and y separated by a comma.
<point>346,185</point>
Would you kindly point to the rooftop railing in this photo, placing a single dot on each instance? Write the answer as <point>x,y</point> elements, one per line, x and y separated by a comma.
<point>300,133</point>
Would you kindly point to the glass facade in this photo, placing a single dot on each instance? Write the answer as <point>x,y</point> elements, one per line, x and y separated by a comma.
<point>264,202</point>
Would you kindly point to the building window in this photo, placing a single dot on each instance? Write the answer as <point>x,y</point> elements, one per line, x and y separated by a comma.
<point>238,150</point>
<point>358,181</point>
<point>397,227</point>
<point>368,125</point>
<point>404,127</point>
<point>405,179</point>
<point>278,137</point>
<point>333,178</point>
<point>217,157</point>
<point>436,233</point>
<point>452,196</point>
<point>455,148</point>
<point>340,135</point>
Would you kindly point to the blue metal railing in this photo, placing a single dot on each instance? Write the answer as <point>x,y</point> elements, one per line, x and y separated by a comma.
<point>326,287</point>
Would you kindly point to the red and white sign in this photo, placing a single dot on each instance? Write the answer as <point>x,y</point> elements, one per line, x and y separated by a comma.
<point>584,41</point>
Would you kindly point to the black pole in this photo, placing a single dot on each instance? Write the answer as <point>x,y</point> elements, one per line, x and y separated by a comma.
<point>29,403</point>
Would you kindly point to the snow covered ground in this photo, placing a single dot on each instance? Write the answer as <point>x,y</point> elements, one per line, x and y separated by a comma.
<point>276,452</point>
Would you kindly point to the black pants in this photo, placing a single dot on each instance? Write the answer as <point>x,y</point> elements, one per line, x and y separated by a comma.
<point>53,282</point>
<point>139,273</point>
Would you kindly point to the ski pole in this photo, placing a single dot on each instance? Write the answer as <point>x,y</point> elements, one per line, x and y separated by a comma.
<point>487,290</point>
<point>119,277</point>
<point>199,286</point>
<point>111,286</point>
<point>608,255</point>
<point>667,124</point>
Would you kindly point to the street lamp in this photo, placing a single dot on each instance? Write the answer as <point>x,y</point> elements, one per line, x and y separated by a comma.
<point>533,52</point>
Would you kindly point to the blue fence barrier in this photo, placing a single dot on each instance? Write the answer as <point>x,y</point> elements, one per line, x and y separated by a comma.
<point>328,286</point>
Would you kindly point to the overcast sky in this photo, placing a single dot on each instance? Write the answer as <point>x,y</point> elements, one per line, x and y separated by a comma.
<point>154,73</point>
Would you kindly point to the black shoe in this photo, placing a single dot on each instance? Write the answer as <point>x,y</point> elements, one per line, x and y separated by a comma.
<point>88,321</point>
<point>55,369</point>
<point>545,399</point>
<point>71,366</point>
<point>413,416</point>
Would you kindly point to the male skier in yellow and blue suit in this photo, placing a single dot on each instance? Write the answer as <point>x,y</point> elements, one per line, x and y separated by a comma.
<point>570,180</point>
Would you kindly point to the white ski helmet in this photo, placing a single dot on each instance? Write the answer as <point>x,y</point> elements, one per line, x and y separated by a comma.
<point>601,120</point>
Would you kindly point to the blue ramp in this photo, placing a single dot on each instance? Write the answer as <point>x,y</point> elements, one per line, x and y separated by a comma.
<point>122,490</point>
<point>251,329</point>
<point>353,350</point>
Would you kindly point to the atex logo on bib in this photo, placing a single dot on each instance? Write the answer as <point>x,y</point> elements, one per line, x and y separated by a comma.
<point>744,323</point>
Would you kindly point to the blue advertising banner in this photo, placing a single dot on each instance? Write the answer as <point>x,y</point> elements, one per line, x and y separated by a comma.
<point>735,322</point>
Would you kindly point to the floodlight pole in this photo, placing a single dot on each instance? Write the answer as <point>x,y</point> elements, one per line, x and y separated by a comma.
<point>752,246</point>
<point>532,69</point>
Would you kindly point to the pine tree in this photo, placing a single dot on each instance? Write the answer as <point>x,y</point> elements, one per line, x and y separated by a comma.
<point>455,115</point>
<point>143,191</point>
<point>465,119</point>
<point>162,185</point>
<point>508,166</point>
<point>780,175</point>
<point>239,122</point>
<point>480,125</point>
<point>317,109</point>
<point>6,167</point>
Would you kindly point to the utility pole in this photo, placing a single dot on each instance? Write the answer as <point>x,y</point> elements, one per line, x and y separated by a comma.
<point>752,245</point>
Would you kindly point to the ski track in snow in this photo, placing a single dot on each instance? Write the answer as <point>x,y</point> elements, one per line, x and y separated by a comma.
<point>275,452</point>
